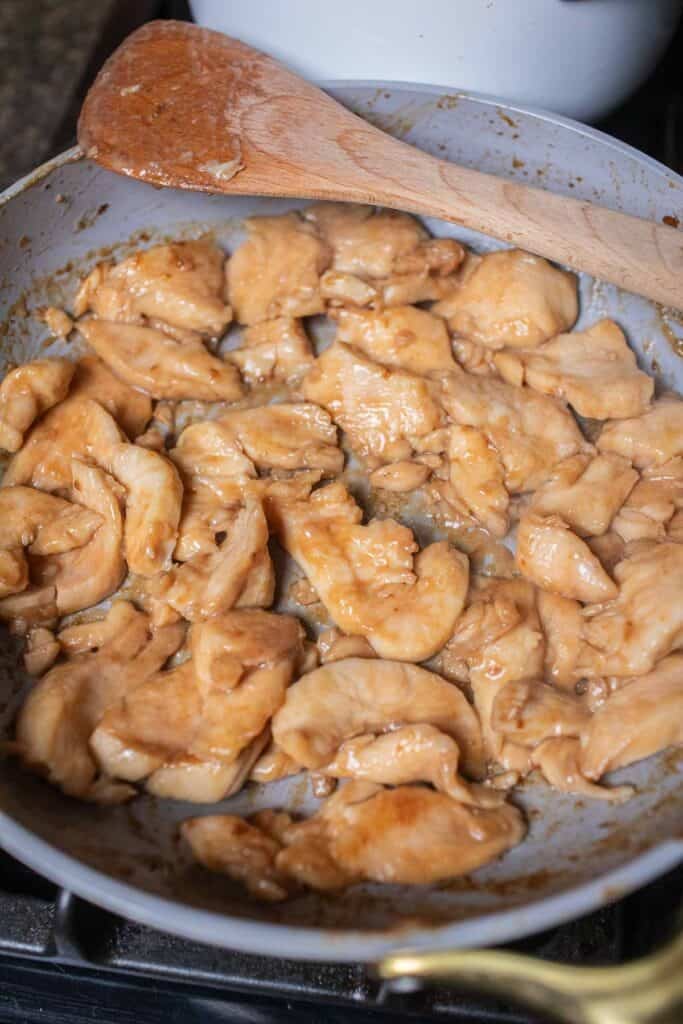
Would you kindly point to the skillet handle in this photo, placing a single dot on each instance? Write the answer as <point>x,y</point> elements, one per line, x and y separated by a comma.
<point>646,991</point>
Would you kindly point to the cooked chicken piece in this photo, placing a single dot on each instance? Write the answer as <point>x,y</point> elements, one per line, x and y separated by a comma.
<point>652,503</point>
<point>409,753</point>
<point>346,290</point>
<point>41,651</point>
<point>650,439</point>
<point>273,764</point>
<point>345,699</point>
<point>26,393</point>
<point>594,370</point>
<point>213,583</point>
<point>154,494</point>
<point>479,359</point>
<point>400,477</point>
<point>586,492</point>
<point>642,717</point>
<point>555,559</point>
<point>531,432</point>
<point>130,408</point>
<point>629,635</point>
<point>511,298</point>
<point>181,283</point>
<point>366,242</point>
<point>563,628</point>
<point>478,476</point>
<point>559,760</point>
<point>205,782</point>
<point>152,361</point>
<point>210,459</point>
<point>405,338</point>
<point>159,430</point>
<point>62,710</point>
<point>609,548</point>
<point>501,640</point>
<point>233,847</point>
<point>86,575</point>
<point>13,572</point>
<point>77,428</point>
<point>274,350</point>
<point>276,272</point>
<point>287,436</point>
<point>529,711</point>
<point>35,606</point>
<point>59,322</point>
<point>334,645</point>
<point>369,578</point>
<point>380,409</point>
<point>177,718</point>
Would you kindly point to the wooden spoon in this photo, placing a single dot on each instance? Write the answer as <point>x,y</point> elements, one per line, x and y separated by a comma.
<point>183,106</point>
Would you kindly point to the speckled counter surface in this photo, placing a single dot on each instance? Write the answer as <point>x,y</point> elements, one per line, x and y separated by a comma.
<point>45,48</point>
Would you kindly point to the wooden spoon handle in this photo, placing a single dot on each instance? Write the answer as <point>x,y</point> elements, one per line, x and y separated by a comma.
<point>182,106</point>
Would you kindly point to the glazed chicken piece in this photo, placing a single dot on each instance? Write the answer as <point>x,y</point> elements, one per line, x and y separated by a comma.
<point>528,712</point>
<point>650,439</point>
<point>273,764</point>
<point>154,495</point>
<point>194,721</point>
<point>43,524</point>
<point>629,635</point>
<point>370,578</point>
<point>56,721</point>
<point>643,716</point>
<point>594,370</point>
<point>150,360</point>
<point>563,628</point>
<point>181,284</point>
<point>652,503</point>
<point>286,436</point>
<point>559,759</point>
<point>511,299</point>
<point>400,477</point>
<point>405,338</point>
<point>26,393</point>
<point>76,428</point>
<point>58,322</point>
<point>478,476</point>
<point>159,429</point>
<point>381,410</point>
<point>333,645</point>
<point>349,698</point>
<point>531,432</point>
<point>276,272</point>
<point>84,576</point>
<point>554,558</point>
<point>130,408</point>
<point>274,350</point>
<point>239,572</point>
<point>586,492</point>
<point>409,753</point>
<point>41,651</point>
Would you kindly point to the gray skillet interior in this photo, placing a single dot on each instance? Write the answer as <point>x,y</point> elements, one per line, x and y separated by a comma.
<point>578,854</point>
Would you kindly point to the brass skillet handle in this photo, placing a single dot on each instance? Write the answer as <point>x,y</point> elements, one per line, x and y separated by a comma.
<point>646,991</point>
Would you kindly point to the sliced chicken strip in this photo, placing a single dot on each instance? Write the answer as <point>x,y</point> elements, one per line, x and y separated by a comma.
<point>511,298</point>
<point>586,492</point>
<point>286,436</point>
<point>563,628</point>
<point>652,503</point>
<point>354,696</point>
<point>380,409</point>
<point>274,350</point>
<point>205,782</point>
<point>553,557</point>
<point>400,477</point>
<point>559,760</point>
<point>629,635</point>
<point>529,711</point>
<point>366,242</point>
<point>77,427</point>
<point>367,576</point>
<point>131,409</point>
<point>154,495</point>
<point>650,439</point>
<point>531,432</point>
<point>642,717</point>
<point>594,370</point>
<point>26,393</point>
<point>155,363</point>
<point>181,283</point>
<point>404,337</point>
<point>276,272</point>
<point>478,476</point>
<point>60,713</point>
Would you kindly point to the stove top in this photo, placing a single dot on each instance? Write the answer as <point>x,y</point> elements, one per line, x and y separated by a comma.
<point>65,961</point>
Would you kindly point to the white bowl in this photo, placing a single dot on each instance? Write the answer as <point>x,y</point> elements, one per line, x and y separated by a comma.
<point>580,58</point>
